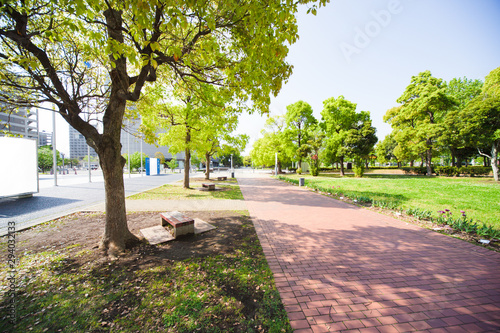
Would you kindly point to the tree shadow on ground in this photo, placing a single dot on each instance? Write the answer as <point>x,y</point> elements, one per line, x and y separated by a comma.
<point>362,273</point>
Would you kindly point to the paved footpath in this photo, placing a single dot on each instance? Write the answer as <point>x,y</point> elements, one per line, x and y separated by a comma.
<point>343,268</point>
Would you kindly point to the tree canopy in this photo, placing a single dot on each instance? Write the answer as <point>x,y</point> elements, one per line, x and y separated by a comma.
<point>423,105</point>
<point>482,119</point>
<point>348,133</point>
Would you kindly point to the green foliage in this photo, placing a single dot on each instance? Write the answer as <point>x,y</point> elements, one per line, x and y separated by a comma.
<point>416,120</point>
<point>299,118</point>
<point>135,160</point>
<point>385,149</point>
<point>173,164</point>
<point>160,156</point>
<point>275,140</point>
<point>46,159</point>
<point>359,167</point>
<point>348,133</point>
<point>415,170</point>
<point>482,119</point>
<point>447,171</point>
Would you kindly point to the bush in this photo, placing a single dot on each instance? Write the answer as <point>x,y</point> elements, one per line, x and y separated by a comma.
<point>299,171</point>
<point>475,171</point>
<point>359,170</point>
<point>415,170</point>
<point>447,171</point>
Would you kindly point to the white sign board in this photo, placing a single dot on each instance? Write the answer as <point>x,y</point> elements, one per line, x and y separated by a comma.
<point>18,167</point>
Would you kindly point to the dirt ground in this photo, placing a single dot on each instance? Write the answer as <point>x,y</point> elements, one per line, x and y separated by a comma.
<point>85,230</point>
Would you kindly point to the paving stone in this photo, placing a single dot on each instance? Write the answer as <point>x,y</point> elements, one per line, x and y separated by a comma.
<point>343,262</point>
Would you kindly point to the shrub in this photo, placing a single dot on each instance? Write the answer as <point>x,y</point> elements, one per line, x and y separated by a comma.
<point>447,171</point>
<point>415,170</point>
<point>475,171</point>
<point>299,171</point>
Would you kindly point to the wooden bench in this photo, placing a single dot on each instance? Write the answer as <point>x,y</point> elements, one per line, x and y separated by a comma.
<point>177,223</point>
<point>222,178</point>
<point>209,186</point>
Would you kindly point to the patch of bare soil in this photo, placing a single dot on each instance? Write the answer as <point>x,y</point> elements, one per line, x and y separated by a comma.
<point>83,231</point>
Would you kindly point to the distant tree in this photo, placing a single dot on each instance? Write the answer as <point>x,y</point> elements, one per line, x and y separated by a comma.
<point>46,159</point>
<point>312,148</point>
<point>159,155</point>
<point>275,140</point>
<point>173,164</point>
<point>135,160</point>
<point>348,133</point>
<point>422,105</point>
<point>482,120</point>
<point>247,161</point>
<point>451,138</point>
<point>298,118</point>
<point>385,150</point>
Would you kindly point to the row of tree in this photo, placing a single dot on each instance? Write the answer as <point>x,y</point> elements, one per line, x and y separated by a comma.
<point>460,118</point>
<point>341,133</point>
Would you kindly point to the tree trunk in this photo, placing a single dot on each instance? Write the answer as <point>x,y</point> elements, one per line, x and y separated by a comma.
<point>453,159</point>
<point>279,167</point>
<point>428,161</point>
<point>494,159</point>
<point>116,235</point>
<point>412,162</point>
<point>342,166</point>
<point>207,166</point>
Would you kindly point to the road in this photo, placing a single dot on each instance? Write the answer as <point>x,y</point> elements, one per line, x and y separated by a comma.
<point>73,193</point>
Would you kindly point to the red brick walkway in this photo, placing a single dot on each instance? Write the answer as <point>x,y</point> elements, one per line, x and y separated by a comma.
<point>343,268</point>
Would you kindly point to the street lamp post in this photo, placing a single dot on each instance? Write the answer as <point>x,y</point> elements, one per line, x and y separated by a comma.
<point>54,150</point>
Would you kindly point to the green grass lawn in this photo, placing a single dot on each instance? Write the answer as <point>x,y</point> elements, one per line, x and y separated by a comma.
<point>478,197</point>
<point>228,189</point>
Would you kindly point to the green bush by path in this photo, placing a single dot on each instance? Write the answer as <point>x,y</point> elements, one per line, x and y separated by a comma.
<point>478,197</point>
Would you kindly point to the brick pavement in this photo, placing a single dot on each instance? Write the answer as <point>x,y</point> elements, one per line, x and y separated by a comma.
<point>343,268</point>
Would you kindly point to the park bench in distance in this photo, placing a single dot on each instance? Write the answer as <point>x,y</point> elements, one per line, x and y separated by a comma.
<point>222,178</point>
<point>209,186</point>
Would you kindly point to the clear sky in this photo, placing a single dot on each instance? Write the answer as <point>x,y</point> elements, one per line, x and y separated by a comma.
<point>368,50</point>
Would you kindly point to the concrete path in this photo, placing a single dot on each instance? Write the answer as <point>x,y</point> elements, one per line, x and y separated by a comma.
<point>71,195</point>
<point>343,268</point>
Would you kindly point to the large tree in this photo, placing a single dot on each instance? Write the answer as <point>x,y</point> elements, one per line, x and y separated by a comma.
<point>274,140</point>
<point>423,105</point>
<point>482,120</point>
<point>299,117</point>
<point>451,138</point>
<point>337,118</point>
<point>46,48</point>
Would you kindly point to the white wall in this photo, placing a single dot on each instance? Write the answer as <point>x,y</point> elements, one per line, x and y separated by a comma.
<point>18,166</point>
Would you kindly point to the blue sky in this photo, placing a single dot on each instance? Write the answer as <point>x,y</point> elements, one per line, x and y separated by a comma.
<point>451,38</point>
<point>401,39</point>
